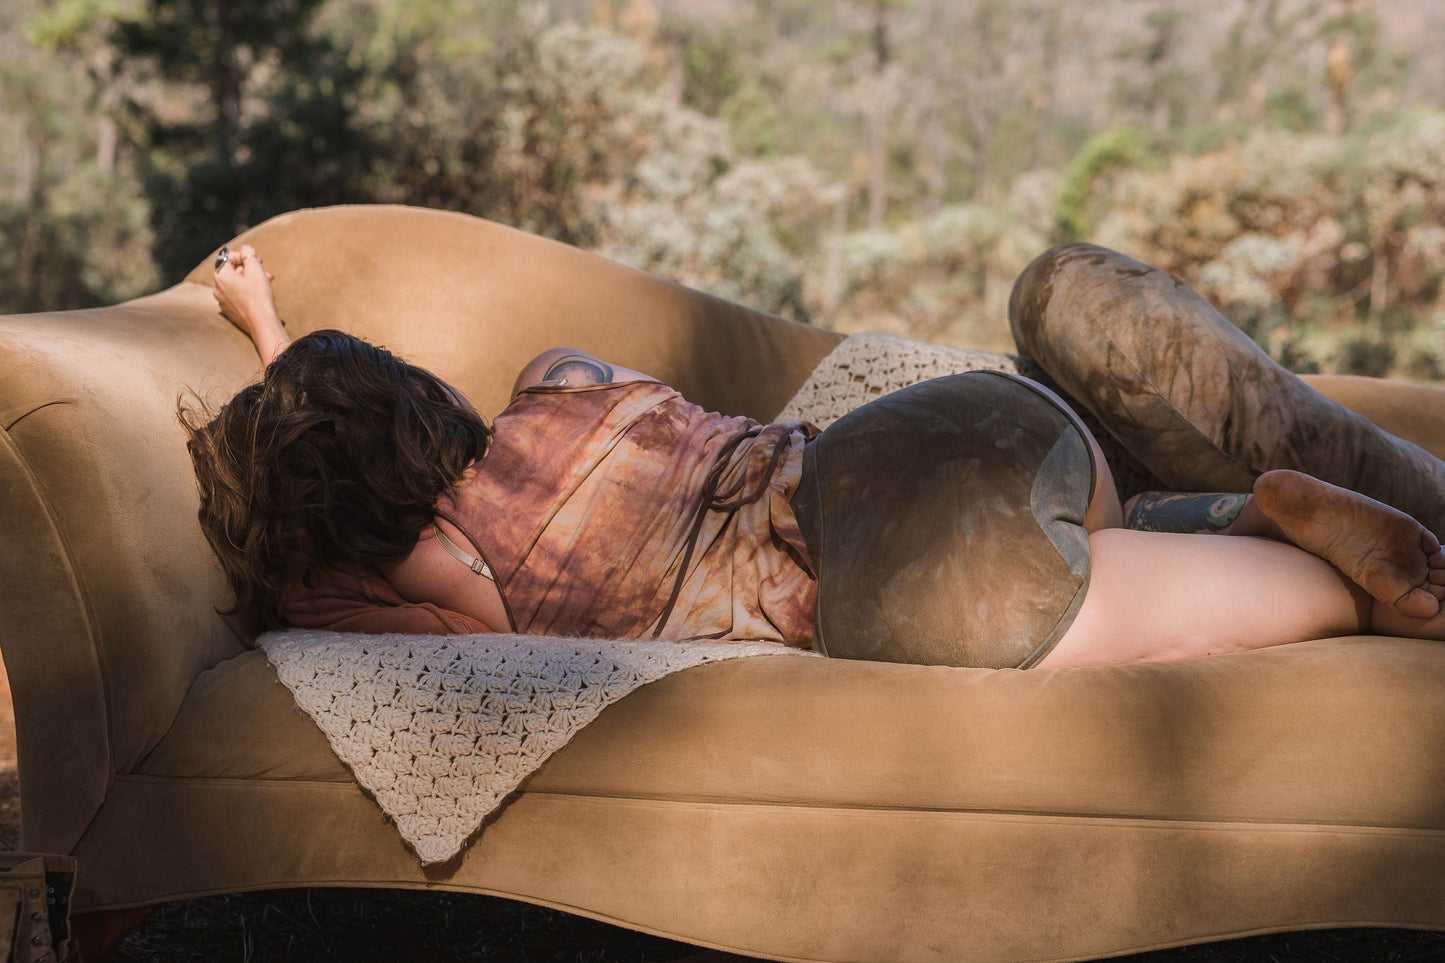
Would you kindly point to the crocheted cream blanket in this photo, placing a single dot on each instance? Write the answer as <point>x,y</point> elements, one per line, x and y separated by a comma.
<point>440,729</point>
<point>864,366</point>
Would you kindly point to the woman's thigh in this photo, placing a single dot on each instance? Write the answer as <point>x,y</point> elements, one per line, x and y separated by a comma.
<point>1155,597</point>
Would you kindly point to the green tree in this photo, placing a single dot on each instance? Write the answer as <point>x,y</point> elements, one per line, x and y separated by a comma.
<point>575,132</point>
<point>75,225</point>
<point>1106,155</point>
<point>252,118</point>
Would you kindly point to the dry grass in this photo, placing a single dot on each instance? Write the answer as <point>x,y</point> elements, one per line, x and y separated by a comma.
<point>397,926</point>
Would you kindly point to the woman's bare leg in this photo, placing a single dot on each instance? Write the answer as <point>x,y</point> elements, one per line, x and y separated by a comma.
<point>1383,550</point>
<point>1159,596</point>
<point>1315,561</point>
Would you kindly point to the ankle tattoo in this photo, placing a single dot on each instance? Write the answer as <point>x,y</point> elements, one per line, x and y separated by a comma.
<point>1206,513</point>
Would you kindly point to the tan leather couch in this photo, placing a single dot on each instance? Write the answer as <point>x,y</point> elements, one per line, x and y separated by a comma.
<point>789,808</point>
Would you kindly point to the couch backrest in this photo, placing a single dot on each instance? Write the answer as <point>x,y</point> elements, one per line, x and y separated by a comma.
<point>474,301</point>
<point>109,599</point>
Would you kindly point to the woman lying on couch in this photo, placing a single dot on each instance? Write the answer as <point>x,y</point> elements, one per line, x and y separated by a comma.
<point>969,520</point>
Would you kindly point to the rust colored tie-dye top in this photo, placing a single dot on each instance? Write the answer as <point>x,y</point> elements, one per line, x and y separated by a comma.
<point>626,511</point>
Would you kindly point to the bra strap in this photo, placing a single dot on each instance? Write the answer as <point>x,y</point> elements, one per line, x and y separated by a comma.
<point>470,561</point>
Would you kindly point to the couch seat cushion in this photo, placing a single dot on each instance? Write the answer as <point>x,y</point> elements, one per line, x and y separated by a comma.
<point>239,722</point>
<point>1339,732</point>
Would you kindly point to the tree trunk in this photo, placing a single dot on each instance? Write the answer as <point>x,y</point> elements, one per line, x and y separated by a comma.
<point>1339,70</point>
<point>27,267</point>
<point>878,119</point>
<point>107,144</point>
<point>877,156</point>
<point>833,279</point>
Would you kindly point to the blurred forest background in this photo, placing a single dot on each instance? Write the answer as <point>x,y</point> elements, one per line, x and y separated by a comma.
<point>888,165</point>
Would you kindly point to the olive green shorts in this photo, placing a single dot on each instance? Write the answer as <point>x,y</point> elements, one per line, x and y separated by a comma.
<point>946,524</point>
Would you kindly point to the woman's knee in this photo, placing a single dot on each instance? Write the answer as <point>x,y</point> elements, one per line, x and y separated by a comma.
<point>1180,387</point>
<point>1032,295</point>
<point>1087,309</point>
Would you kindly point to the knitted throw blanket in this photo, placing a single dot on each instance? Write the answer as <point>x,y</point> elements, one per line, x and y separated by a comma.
<point>439,729</point>
<point>864,366</point>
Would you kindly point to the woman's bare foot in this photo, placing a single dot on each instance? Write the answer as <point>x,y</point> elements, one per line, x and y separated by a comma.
<point>1383,550</point>
<point>1386,620</point>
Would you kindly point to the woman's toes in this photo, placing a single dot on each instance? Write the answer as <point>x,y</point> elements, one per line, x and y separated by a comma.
<point>1437,576</point>
<point>1418,603</point>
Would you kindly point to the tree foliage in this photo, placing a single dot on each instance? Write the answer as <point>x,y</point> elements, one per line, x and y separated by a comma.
<point>74,229</point>
<point>882,163</point>
<point>250,117</point>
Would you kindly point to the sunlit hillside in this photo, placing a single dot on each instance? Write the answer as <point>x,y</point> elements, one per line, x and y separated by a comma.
<point>878,165</point>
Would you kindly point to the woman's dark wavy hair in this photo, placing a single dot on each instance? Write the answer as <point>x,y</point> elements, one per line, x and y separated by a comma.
<point>335,458</point>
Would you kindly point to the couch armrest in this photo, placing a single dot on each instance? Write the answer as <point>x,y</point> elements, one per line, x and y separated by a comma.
<point>108,611</point>
<point>55,676</point>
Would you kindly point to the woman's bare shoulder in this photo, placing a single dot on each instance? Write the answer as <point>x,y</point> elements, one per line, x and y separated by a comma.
<point>430,574</point>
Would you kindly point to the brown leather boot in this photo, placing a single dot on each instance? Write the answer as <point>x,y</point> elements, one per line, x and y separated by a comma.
<point>1190,395</point>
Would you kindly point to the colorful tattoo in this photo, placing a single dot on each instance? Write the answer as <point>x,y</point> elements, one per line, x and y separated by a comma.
<point>1187,513</point>
<point>576,369</point>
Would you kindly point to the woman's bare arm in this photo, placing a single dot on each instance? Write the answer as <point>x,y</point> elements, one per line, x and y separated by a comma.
<point>243,291</point>
<point>572,367</point>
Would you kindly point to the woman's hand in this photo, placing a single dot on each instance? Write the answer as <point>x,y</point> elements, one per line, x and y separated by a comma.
<point>243,291</point>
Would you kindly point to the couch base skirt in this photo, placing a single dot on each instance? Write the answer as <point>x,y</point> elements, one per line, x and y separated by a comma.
<point>788,882</point>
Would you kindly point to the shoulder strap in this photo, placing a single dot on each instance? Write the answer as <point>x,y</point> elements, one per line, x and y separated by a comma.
<point>470,561</point>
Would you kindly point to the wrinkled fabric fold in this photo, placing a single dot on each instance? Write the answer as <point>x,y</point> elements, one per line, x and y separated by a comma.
<point>625,511</point>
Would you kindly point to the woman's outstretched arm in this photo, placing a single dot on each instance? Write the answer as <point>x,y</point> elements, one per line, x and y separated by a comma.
<point>243,291</point>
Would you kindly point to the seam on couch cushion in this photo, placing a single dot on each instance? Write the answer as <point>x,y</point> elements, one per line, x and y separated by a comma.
<point>150,778</point>
<point>724,804</point>
<point>1100,819</point>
